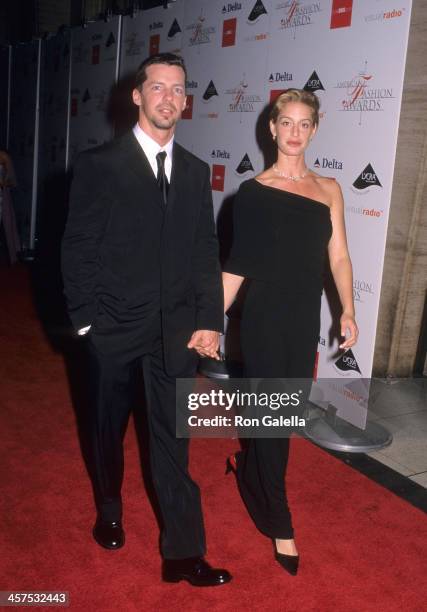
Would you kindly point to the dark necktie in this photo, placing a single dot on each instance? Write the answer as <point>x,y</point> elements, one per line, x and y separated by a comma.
<point>162,180</point>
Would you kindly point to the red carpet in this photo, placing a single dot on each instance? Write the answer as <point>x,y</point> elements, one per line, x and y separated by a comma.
<point>362,548</point>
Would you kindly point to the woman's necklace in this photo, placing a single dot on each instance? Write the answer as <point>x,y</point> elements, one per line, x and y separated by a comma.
<point>290,176</point>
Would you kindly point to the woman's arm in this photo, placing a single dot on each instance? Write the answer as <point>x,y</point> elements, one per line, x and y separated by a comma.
<point>341,268</point>
<point>232,284</point>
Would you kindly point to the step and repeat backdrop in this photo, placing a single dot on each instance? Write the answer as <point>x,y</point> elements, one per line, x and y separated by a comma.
<point>23,141</point>
<point>5,57</point>
<point>240,56</point>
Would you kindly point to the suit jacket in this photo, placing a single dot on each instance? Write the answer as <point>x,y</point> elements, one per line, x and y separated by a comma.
<point>125,257</point>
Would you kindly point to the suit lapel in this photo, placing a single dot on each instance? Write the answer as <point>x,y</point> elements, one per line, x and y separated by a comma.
<point>179,176</point>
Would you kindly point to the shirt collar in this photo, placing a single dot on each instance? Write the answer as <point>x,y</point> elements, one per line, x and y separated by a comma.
<point>149,145</point>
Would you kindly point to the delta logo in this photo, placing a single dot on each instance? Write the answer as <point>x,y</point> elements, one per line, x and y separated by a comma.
<point>385,16</point>
<point>191,84</point>
<point>367,178</point>
<point>155,25</point>
<point>341,14</point>
<point>218,177</point>
<point>229,30</point>
<point>346,365</point>
<point>324,162</point>
<point>220,154</point>
<point>257,11</point>
<point>174,30</point>
<point>242,101</point>
<point>314,83</point>
<point>280,77</point>
<point>231,7</point>
<point>244,166</point>
<point>360,97</point>
<point>200,33</point>
<point>298,14</point>
<point>210,92</point>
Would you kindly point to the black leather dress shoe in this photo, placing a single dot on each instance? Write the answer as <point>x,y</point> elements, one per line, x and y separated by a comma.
<point>109,534</point>
<point>195,570</point>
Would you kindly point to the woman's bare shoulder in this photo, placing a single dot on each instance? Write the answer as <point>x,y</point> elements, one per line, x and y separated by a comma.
<point>329,183</point>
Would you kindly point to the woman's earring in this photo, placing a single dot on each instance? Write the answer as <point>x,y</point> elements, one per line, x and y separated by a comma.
<point>274,136</point>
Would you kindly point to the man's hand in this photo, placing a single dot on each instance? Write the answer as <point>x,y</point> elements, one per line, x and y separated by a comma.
<point>205,342</point>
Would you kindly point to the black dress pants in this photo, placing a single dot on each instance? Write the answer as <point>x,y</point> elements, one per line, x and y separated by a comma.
<point>279,336</point>
<point>112,378</point>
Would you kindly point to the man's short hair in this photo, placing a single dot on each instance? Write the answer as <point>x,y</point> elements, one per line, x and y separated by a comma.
<point>170,59</point>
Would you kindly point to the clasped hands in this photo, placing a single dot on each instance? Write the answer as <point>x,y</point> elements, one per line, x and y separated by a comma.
<point>205,342</point>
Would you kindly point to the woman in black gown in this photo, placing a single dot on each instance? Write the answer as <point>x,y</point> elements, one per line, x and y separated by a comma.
<point>285,220</point>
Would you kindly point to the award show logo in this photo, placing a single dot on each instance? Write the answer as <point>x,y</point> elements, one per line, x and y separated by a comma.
<point>257,11</point>
<point>362,290</point>
<point>341,13</point>
<point>134,45</point>
<point>333,163</point>
<point>174,30</point>
<point>297,14</point>
<point>347,364</point>
<point>360,97</point>
<point>229,30</point>
<point>210,92</point>
<point>367,178</point>
<point>200,32</point>
<point>314,83</point>
<point>244,166</point>
<point>241,100</point>
<point>218,177</point>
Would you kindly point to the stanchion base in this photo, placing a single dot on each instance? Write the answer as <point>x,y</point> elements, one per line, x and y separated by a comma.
<point>339,435</point>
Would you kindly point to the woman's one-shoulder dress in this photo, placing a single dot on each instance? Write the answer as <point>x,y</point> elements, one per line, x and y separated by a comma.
<point>279,243</point>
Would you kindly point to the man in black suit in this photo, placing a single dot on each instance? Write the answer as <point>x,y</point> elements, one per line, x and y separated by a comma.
<point>142,281</point>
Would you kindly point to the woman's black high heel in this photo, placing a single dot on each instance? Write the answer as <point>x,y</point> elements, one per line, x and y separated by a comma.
<point>288,562</point>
